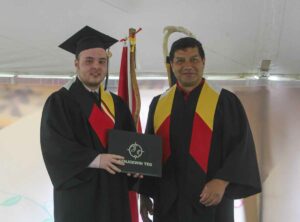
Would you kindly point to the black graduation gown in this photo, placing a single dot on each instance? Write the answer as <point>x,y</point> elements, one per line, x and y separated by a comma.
<point>232,158</point>
<point>69,145</point>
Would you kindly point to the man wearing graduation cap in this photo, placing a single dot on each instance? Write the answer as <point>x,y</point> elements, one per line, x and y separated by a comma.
<point>87,184</point>
<point>208,150</point>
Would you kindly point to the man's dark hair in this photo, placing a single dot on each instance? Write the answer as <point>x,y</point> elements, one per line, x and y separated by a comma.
<point>186,42</point>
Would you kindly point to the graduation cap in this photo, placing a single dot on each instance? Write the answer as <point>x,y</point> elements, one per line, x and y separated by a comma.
<point>87,38</point>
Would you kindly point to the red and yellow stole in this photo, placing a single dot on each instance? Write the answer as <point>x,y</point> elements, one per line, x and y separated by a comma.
<point>102,119</point>
<point>202,124</point>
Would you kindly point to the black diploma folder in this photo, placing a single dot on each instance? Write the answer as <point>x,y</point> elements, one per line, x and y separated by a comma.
<point>142,152</point>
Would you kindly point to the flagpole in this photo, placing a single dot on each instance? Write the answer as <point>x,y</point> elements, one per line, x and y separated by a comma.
<point>128,90</point>
<point>135,95</point>
<point>129,76</point>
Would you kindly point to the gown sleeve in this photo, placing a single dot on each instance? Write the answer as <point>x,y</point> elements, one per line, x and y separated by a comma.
<point>239,164</point>
<point>66,158</point>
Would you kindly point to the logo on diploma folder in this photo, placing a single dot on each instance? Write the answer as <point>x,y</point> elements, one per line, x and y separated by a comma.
<point>135,150</point>
<point>142,153</point>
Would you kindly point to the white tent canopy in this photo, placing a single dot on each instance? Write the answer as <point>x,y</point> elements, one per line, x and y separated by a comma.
<point>237,35</point>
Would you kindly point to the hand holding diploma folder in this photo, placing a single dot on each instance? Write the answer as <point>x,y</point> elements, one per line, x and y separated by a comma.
<point>142,153</point>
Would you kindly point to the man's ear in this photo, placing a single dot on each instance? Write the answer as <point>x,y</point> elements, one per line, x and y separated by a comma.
<point>171,65</point>
<point>76,64</point>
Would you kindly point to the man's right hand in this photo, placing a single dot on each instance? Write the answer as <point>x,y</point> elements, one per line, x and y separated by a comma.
<point>146,207</point>
<point>109,162</point>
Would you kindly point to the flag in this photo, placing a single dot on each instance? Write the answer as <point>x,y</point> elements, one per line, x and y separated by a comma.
<point>129,92</point>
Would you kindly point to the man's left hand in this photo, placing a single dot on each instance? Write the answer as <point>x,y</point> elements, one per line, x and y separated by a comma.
<point>213,192</point>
